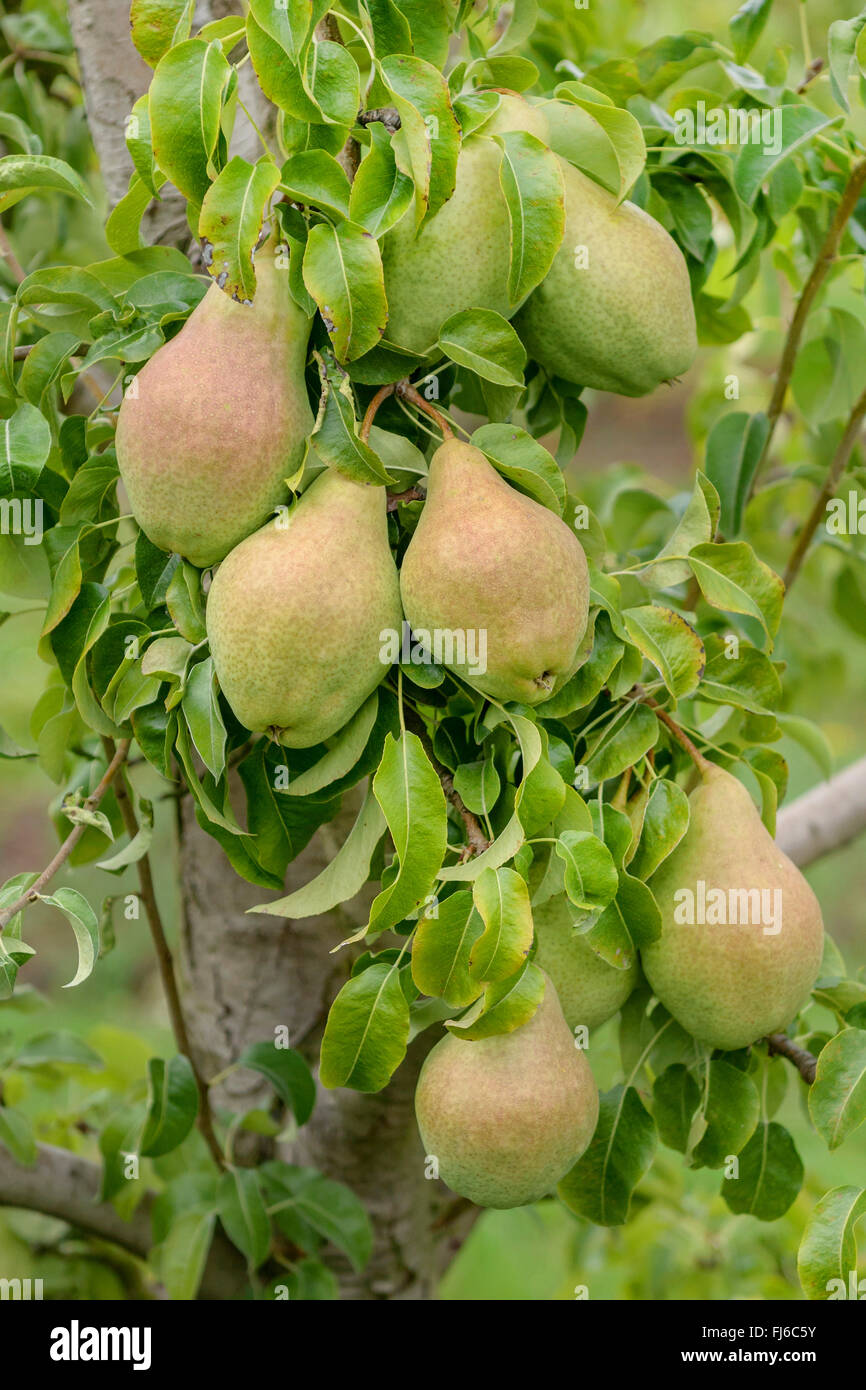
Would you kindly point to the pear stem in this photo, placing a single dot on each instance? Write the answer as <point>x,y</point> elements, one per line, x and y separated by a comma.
<point>703,764</point>
<point>367,423</point>
<point>407,391</point>
<point>781,1045</point>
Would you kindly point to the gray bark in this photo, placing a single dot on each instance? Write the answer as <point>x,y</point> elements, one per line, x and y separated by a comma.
<point>828,817</point>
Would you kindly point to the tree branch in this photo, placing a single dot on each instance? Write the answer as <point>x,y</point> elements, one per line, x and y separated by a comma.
<point>826,818</point>
<point>165,963</point>
<point>67,1186</point>
<point>60,858</point>
<point>826,257</point>
<point>840,461</point>
<point>783,1046</point>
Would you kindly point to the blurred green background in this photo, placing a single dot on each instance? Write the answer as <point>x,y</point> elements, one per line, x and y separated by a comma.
<point>682,1242</point>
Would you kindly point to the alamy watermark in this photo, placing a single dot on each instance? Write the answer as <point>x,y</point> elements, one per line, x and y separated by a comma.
<point>22,517</point>
<point>729,125</point>
<point>445,646</point>
<point>729,907</point>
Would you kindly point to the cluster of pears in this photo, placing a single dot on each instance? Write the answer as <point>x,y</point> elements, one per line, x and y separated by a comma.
<point>205,445</point>
<point>615,310</point>
<point>507,1116</point>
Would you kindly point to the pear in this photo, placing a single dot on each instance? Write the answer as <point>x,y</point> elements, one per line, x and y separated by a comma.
<point>295,614</point>
<point>514,112</point>
<point>508,1116</point>
<point>492,567</point>
<point>615,309</point>
<point>730,984</point>
<point>460,257</point>
<point>590,990</point>
<point>218,419</point>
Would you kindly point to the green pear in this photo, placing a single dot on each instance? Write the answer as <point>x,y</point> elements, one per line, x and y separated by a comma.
<point>218,419</point>
<point>508,1116</point>
<point>460,257</point>
<point>730,984</point>
<point>514,112</point>
<point>590,989</point>
<point>615,309</point>
<point>497,571</point>
<point>295,614</point>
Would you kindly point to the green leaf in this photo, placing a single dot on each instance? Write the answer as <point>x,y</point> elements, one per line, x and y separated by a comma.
<point>444,938</point>
<point>734,446</point>
<point>608,141</point>
<point>478,786</point>
<point>300,1198</point>
<point>21,174</point>
<point>184,602</point>
<point>504,1006</point>
<point>51,1049</point>
<point>842,41</point>
<point>172,1105</point>
<point>202,712</point>
<point>335,438</point>
<point>732,578</point>
<point>731,1110</point>
<point>243,1214</point>
<point>287,1072</point>
<point>770,1175</point>
<point>600,1184</point>
<point>524,462</point>
<point>747,25</point>
<point>16,1133</point>
<point>411,797</point>
<point>675,1099</point>
<point>837,1097</point>
<point>380,193</point>
<point>343,877</point>
<point>186,97</point>
<point>828,1250</point>
<point>590,879</point>
<point>486,343</point>
<point>154,569</point>
<point>367,1030</point>
<point>501,899</point>
<point>25,443</point>
<point>343,272</point>
<point>670,643</point>
<point>429,134</point>
<point>181,1257</point>
<point>230,223</point>
<point>665,822</point>
<point>85,925</point>
<point>158,24</point>
<point>535,197</point>
<point>314,177</point>
<point>755,163</point>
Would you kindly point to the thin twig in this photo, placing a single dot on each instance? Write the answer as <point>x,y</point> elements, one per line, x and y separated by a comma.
<point>32,894</point>
<point>372,409</point>
<point>826,257</point>
<point>165,963</point>
<point>780,1044</point>
<point>412,494</point>
<point>681,737</point>
<point>408,393</point>
<point>843,453</point>
<point>478,841</point>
